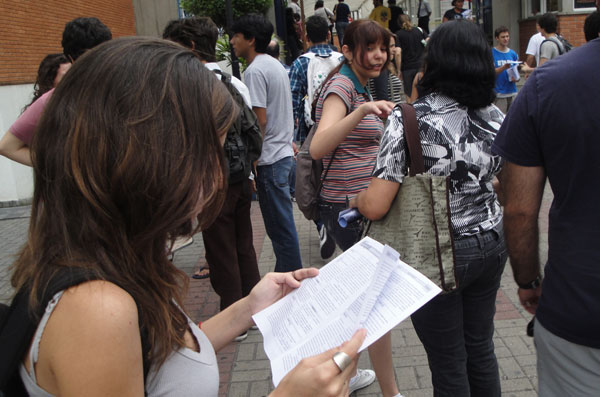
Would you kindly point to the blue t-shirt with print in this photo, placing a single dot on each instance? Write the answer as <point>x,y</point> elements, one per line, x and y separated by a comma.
<point>503,83</point>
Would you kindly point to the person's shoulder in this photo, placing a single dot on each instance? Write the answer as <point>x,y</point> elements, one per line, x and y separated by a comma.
<point>100,301</point>
<point>98,309</point>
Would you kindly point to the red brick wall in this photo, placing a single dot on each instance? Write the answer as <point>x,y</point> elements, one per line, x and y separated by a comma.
<point>569,26</point>
<point>31,29</point>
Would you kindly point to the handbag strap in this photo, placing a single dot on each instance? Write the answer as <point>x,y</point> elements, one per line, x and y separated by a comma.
<point>411,132</point>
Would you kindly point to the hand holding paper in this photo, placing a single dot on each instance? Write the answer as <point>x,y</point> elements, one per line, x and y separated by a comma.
<point>366,286</point>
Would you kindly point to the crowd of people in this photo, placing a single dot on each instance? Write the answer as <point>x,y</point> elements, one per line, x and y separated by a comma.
<point>129,156</point>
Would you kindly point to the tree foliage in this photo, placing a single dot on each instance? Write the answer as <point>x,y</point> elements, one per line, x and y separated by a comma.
<point>215,9</point>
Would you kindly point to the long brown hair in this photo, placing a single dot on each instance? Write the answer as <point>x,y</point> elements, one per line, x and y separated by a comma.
<point>127,152</point>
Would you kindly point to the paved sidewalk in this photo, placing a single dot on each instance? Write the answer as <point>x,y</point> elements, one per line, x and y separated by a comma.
<point>244,367</point>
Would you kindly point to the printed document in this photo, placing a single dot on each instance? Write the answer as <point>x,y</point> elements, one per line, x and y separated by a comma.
<point>368,286</point>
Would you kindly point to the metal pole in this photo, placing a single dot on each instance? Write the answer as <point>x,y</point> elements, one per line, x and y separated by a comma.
<point>235,66</point>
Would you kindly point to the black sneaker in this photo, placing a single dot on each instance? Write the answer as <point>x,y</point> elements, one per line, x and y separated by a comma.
<point>326,243</point>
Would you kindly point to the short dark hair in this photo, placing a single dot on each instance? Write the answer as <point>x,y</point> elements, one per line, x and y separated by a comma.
<point>500,30</point>
<point>82,34</point>
<point>197,33</point>
<point>254,26</point>
<point>392,2</point>
<point>273,49</point>
<point>317,29</point>
<point>548,22</point>
<point>319,4</point>
<point>459,63</point>
<point>591,26</point>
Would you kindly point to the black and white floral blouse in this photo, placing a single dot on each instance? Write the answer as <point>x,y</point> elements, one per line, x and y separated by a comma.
<point>456,141</point>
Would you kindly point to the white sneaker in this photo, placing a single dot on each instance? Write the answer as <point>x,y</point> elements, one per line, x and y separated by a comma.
<point>363,378</point>
<point>326,243</point>
<point>241,337</point>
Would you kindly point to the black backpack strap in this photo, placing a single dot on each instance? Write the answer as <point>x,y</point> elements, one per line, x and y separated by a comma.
<point>19,325</point>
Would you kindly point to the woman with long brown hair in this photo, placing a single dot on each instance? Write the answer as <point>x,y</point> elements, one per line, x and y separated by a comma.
<point>129,151</point>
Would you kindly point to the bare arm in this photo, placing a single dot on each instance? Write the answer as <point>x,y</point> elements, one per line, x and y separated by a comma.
<point>335,125</point>
<point>15,149</point>
<point>530,60</point>
<point>375,201</point>
<point>543,61</point>
<point>261,115</point>
<point>502,68</point>
<point>522,190</point>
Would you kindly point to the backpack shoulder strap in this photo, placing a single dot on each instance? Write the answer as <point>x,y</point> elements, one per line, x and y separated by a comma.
<point>20,324</point>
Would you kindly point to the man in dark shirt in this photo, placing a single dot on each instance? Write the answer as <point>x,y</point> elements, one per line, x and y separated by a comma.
<point>396,12</point>
<point>456,12</point>
<point>553,130</point>
<point>342,15</point>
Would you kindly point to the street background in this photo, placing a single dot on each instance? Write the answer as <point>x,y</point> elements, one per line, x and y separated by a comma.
<point>244,367</point>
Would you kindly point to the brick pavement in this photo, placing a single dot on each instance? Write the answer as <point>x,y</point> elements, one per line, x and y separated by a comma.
<point>244,367</point>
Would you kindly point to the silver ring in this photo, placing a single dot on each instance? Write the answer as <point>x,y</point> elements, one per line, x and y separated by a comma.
<point>342,360</point>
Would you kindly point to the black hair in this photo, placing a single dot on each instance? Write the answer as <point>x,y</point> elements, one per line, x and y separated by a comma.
<point>500,30</point>
<point>46,75</point>
<point>591,26</point>
<point>197,33</point>
<point>273,49</point>
<point>391,2</point>
<point>459,63</point>
<point>82,34</point>
<point>317,29</point>
<point>548,22</point>
<point>319,4</point>
<point>254,26</point>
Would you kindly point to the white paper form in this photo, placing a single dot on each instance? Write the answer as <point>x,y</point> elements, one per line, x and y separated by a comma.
<point>351,292</point>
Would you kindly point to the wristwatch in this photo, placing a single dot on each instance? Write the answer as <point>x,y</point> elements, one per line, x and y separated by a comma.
<point>532,284</point>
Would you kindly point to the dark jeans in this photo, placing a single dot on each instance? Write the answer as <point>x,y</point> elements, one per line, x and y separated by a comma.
<point>424,24</point>
<point>456,329</point>
<point>340,28</point>
<point>272,184</point>
<point>343,237</point>
<point>229,248</point>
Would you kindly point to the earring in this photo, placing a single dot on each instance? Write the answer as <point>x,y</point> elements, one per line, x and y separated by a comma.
<point>349,62</point>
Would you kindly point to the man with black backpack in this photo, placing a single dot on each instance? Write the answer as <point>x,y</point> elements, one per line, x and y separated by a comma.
<point>553,44</point>
<point>306,75</point>
<point>228,242</point>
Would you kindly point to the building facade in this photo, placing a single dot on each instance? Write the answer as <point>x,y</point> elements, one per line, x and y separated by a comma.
<point>31,29</point>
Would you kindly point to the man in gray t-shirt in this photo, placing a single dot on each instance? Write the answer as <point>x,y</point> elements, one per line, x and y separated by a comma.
<point>271,97</point>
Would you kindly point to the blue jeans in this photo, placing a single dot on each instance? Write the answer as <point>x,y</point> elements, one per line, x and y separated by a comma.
<point>272,184</point>
<point>340,28</point>
<point>456,329</point>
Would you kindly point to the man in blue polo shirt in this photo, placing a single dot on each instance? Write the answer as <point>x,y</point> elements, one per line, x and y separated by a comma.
<point>553,130</point>
<point>506,89</point>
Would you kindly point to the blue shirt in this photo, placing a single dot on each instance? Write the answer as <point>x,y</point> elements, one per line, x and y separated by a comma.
<point>503,83</point>
<point>554,123</point>
<point>299,85</point>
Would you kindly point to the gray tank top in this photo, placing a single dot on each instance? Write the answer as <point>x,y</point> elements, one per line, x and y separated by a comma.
<point>184,373</point>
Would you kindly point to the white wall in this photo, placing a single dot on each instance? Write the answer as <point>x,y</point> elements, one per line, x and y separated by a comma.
<point>16,180</point>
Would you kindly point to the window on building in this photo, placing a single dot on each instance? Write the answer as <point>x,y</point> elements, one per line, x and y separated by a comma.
<point>537,7</point>
<point>579,4</point>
